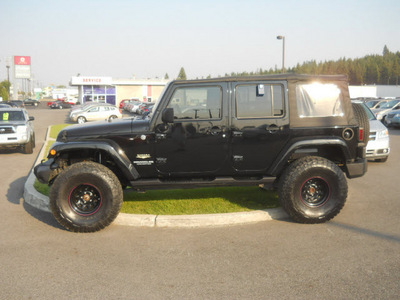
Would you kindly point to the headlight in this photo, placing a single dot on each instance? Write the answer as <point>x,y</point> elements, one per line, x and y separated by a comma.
<point>22,129</point>
<point>383,133</point>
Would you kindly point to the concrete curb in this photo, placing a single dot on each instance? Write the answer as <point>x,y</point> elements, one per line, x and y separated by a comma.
<point>40,201</point>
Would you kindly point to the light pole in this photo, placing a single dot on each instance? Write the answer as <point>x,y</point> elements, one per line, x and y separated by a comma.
<point>281,37</point>
<point>8,79</point>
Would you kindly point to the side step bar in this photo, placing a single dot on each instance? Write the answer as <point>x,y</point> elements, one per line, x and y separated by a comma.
<point>178,183</point>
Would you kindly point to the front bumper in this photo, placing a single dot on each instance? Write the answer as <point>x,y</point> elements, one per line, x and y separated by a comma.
<point>43,170</point>
<point>13,140</point>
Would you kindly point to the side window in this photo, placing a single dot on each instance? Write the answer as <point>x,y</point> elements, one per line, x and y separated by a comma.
<point>94,109</point>
<point>259,101</point>
<point>197,103</point>
<point>319,100</point>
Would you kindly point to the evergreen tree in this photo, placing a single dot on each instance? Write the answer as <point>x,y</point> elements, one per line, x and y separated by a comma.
<point>166,76</point>
<point>182,74</point>
<point>385,51</point>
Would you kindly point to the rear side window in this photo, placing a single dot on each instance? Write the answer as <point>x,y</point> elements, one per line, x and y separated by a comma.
<point>319,100</point>
<point>259,101</point>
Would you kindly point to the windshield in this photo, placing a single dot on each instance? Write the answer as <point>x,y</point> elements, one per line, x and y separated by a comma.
<point>371,104</point>
<point>11,116</point>
<point>370,115</point>
<point>390,104</point>
<point>155,107</point>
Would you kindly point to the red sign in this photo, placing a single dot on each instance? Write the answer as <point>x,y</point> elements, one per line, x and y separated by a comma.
<point>22,60</point>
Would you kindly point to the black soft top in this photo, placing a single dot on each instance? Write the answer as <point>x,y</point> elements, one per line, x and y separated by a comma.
<point>293,80</point>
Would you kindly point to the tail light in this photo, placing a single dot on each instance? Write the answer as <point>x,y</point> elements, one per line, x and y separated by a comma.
<point>361,134</point>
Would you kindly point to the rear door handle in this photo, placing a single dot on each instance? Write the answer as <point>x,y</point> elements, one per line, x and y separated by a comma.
<point>273,128</point>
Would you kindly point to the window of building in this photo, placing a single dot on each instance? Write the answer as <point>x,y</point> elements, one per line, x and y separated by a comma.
<point>259,101</point>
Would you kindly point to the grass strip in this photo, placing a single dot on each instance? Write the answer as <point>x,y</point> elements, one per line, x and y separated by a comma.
<point>193,201</point>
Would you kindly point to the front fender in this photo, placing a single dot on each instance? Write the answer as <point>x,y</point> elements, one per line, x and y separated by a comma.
<point>108,146</point>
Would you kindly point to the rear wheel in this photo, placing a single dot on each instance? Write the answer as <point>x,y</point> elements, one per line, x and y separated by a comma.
<point>86,197</point>
<point>112,117</point>
<point>312,190</point>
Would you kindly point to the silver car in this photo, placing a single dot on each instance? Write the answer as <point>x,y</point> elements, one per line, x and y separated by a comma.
<point>16,129</point>
<point>385,109</point>
<point>96,113</point>
<point>378,147</point>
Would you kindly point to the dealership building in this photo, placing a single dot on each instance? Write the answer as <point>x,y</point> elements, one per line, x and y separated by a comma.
<point>113,91</point>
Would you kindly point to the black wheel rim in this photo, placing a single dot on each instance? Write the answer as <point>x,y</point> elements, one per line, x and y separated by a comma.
<point>315,192</point>
<point>85,199</point>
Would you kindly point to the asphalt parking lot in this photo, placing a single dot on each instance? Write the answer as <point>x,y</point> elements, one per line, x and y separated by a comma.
<point>355,256</point>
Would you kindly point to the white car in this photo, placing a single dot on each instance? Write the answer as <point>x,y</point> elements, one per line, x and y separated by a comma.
<point>16,129</point>
<point>378,147</point>
<point>96,113</point>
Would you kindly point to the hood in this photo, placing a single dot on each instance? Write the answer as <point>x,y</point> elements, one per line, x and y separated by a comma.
<point>12,123</point>
<point>102,129</point>
<point>376,126</point>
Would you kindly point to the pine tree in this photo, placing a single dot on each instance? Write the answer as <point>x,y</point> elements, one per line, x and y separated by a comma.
<point>182,74</point>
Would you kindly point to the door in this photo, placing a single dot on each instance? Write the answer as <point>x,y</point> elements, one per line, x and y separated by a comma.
<point>197,141</point>
<point>260,124</point>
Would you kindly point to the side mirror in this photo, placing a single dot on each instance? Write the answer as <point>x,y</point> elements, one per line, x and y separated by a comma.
<point>31,118</point>
<point>168,115</point>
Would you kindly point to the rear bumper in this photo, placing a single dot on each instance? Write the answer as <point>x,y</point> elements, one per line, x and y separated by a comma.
<point>357,168</point>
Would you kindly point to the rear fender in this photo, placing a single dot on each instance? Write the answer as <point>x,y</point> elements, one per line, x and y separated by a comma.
<point>308,147</point>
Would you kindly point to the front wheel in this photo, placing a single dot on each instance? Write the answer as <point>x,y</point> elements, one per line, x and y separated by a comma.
<point>86,197</point>
<point>312,190</point>
<point>28,147</point>
<point>81,120</point>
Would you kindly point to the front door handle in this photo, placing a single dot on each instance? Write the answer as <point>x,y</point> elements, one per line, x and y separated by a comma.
<point>215,130</point>
<point>273,128</point>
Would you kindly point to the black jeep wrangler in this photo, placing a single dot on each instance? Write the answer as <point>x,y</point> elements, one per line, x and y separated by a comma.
<point>296,133</point>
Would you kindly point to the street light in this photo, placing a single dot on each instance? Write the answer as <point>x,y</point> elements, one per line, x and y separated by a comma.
<point>281,37</point>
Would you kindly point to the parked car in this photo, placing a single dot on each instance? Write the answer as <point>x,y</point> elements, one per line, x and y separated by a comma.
<point>33,102</point>
<point>383,110</point>
<point>17,103</point>
<point>298,134</point>
<point>393,119</point>
<point>16,129</point>
<point>5,105</point>
<point>85,107</point>
<point>144,108</point>
<point>59,104</point>
<point>96,113</point>
<point>126,101</point>
<point>374,104</point>
<point>378,147</point>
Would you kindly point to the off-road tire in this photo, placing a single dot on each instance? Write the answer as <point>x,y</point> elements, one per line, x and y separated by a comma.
<point>362,120</point>
<point>312,190</point>
<point>86,197</point>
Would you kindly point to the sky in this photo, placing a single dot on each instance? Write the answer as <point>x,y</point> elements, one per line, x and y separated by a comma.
<point>149,38</point>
